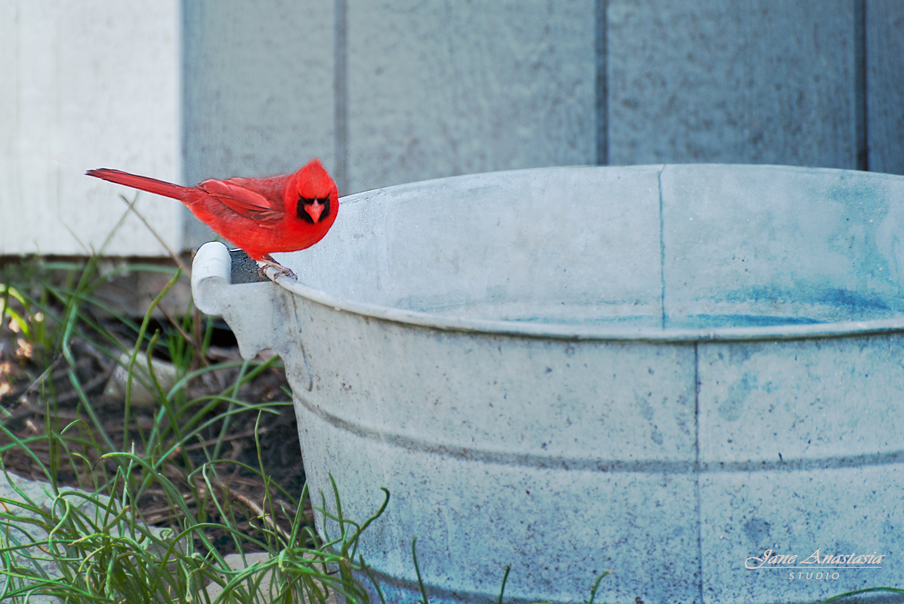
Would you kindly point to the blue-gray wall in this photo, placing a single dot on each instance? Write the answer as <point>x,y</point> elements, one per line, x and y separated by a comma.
<point>405,90</point>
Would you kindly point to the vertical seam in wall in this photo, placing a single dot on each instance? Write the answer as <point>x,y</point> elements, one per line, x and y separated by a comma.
<point>861,126</point>
<point>661,249</point>
<point>181,243</point>
<point>602,88</point>
<point>183,99</point>
<point>697,467</point>
<point>340,86</point>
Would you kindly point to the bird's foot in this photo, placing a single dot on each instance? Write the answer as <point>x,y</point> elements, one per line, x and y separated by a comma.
<point>268,260</point>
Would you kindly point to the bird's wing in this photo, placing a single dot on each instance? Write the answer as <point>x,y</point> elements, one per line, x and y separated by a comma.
<point>245,202</point>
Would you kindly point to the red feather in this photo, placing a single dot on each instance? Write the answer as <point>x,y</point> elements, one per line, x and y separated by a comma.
<point>260,215</point>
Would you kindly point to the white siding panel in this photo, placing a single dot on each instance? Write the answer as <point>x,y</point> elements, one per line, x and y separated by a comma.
<point>439,89</point>
<point>88,84</point>
<point>752,81</point>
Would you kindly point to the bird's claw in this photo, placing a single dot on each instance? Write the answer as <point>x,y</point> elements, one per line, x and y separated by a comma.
<point>280,270</point>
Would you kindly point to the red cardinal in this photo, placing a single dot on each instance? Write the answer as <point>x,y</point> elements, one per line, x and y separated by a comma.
<point>260,215</point>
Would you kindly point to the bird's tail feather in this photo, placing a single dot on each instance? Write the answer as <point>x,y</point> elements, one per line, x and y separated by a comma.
<point>144,183</point>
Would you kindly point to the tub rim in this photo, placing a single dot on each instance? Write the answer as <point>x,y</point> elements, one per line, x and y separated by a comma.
<point>565,331</point>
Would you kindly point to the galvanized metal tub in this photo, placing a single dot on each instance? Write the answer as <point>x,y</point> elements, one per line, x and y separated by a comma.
<point>661,370</point>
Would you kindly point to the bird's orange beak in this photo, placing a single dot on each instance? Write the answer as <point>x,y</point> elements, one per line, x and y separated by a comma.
<point>314,210</point>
